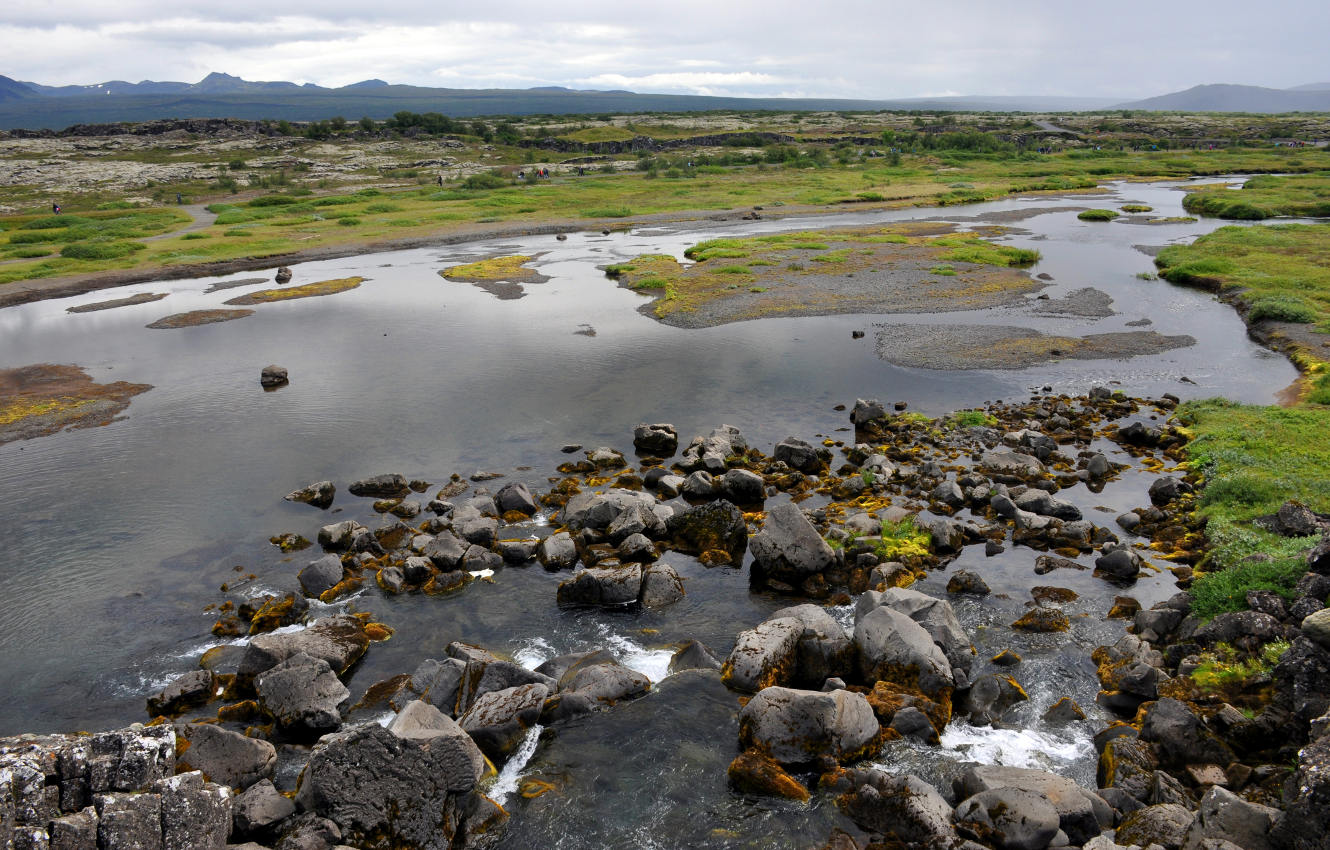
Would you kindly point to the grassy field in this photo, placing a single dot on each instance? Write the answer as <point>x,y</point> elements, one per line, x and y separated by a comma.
<point>1264,197</point>
<point>288,194</point>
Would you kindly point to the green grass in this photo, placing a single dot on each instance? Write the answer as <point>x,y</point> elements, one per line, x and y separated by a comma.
<point>1253,459</point>
<point>1262,197</point>
<point>1137,208</point>
<point>1097,215</point>
<point>972,249</point>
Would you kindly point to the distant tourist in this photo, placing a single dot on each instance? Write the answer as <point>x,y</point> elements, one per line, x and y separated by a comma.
<point>178,200</point>
<point>440,181</point>
<point>55,208</point>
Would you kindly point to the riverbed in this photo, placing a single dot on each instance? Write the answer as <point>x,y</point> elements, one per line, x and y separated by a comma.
<point>118,537</point>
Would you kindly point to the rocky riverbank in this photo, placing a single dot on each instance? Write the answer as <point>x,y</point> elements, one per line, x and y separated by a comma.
<point>859,522</point>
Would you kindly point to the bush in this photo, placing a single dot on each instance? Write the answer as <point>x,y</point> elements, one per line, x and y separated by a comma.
<point>348,221</point>
<point>1281,309</point>
<point>100,250</point>
<point>29,253</point>
<point>273,201</point>
<point>195,236</point>
<point>53,222</point>
<point>1097,215</point>
<point>484,181</point>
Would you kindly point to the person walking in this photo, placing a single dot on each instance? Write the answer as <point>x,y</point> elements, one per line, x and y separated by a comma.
<point>55,208</point>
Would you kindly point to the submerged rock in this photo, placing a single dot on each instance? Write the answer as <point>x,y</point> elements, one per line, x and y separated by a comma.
<point>319,494</point>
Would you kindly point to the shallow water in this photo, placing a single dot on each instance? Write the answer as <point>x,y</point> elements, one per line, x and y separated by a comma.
<point>116,537</point>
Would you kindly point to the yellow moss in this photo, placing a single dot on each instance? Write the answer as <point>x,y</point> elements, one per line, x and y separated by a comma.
<point>25,407</point>
<point>531,788</point>
<point>309,290</point>
<point>378,631</point>
<point>495,268</point>
<point>344,586</point>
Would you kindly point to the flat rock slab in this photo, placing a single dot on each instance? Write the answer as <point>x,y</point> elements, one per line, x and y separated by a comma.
<point>141,298</point>
<point>198,317</point>
<point>43,399</point>
<point>1004,347</point>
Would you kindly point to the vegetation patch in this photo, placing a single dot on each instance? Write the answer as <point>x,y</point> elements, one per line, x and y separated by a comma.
<point>1137,208</point>
<point>512,268</point>
<point>198,317</point>
<point>1097,215</point>
<point>43,399</point>
<point>1263,197</point>
<point>309,290</point>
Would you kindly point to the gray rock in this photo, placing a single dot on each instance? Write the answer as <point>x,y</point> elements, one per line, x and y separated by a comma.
<point>699,485</point>
<point>714,527</point>
<point>1081,814</point>
<point>1306,820</point>
<point>497,721</point>
<point>603,682</point>
<point>515,497</point>
<point>338,640</point>
<point>557,552</point>
<point>637,518</point>
<point>319,494</point>
<point>1165,824</point>
<point>256,812</point>
<point>417,569</point>
<point>1098,466</point>
<point>321,575</point>
<point>866,411</point>
<point>384,790</point>
<point>948,493</point>
<point>1317,627</point>
<point>76,831</point>
<point>445,550</point>
<point>479,531</point>
<point>693,655</point>
<point>273,376</point>
<point>1011,463</point>
<point>936,616</point>
<point>903,806</point>
<point>742,487</point>
<point>129,821</point>
<point>602,586</point>
<point>799,727</point>
<point>598,510</point>
<point>308,831</point>
<point>788,547</point>
<point>196,815</point>
<point>891,643</point>
<point>1166,489</point>
<point>227,757</point>
<point>1042,503</point>
<point>338,536</point>
<point>799,455</point>
<point>989,698</point>
<point>485,675</point>
<point>1129,521</point>
<point>964,581</point>
<point>392,579</point>
<point>1224,815</point>
<point>1180,738</point>
<point>864,525</point>
<point>192,689</point>
<point>764,656</point>
<point>910,722</point>
<point>304,695</point>
<point>639,548</point>
<point>391,486</point>
<point>661,440</point>
<point>661,586</point>
<point>1014,818</point>
<point>1120,565</point>
<point>824,650</point>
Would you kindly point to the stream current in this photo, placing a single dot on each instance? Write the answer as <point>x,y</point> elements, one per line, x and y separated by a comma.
<point>115,538</point>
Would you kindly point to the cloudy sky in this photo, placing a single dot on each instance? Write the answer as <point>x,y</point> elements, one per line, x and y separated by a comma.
<point>836,48</point>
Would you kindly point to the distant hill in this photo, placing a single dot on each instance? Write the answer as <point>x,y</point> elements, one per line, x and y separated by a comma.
<point>14,90</point>
<point>1232,98</point>
<point>1311,87</point>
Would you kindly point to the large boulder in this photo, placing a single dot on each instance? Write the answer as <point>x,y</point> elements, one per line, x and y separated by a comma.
<point>800,455</point>
<point>196,815</point>
<point>936,616</point>
<point>602,586</point>
<point>225,756</point>
<point>716,530</point>
<point>894,648</point>
<point>483,675</point>
<point>1082,814</point>
<point>802,727</point>
<point>788,547</point>
<point>1179,736</point>
<point>824,650</point>
<point>319,494</point>
<point>498,720</point>
<point>661,586</point>
<point>321,575</point>
<point>661,439</point>
<point>1165,824</point>
<point>384,790</point>
<point>742,487</point>
<point>303,695</point>
<point>1012,818</point>
<point>557,552</point>
<point>258,810</point>
<point>515,497</point>
<point>903,806</point>
<point>1224,815</point>
<point>339,640</point>
<point>598,510</point>
<point>764,656</point>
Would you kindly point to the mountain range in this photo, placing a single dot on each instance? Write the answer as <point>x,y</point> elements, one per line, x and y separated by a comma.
<point>35,106</point>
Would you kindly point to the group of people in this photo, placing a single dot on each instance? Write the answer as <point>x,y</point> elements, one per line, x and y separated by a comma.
<point>540,172</point>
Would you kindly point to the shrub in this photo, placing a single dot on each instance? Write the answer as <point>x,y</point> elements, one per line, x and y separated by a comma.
<point>273,201</point>
<point>734,270</point>
<point>382,208</point>
<point>100,250</point>
<point>29,253</point>
<point>1226,590</point>
<point>1097,215</point>
<point>53,222</point>
<point>488,180</point>
<point>348,221</point>
<point>30,238</point>
<point>195,236</point>
<point>1282,309</point>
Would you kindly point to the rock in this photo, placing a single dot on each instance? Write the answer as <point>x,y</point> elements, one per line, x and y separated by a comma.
<point>799,455</point>
<point>1098,467</point>
<point>989,698</point>
<point>443,685</point>
<point>866,412</point>
<point>1011,463</point>
<point>717,527</point>
<point>637,518</point>
<point>823,650</point>
<point>799,727</point>
<point>639,548</point>
<point>321,575</point>
<point>283,275</point>
<point>891,645</point>
<point>227,757</point>
<point>273,376</point>
<point>1081,814</point>
<point>1166,490</point>
<point>964,581</point>
<point>1064,711</point>
<point>693,655</point>
<point>603,681</point>
<point>1179,737</point>
<point>755,773</point>
<point>1318,559</point>
<point>602,586</point>
<point>1120,565</point>
<point>699,485</point>
<point>338,640</point>
<point>1243,629</point>
<point>903,806</point>
<point>129,821</point>
<point>446,550</point>
<point>764,656</point>
<point>557,552</point>
<point>1165,824</point>
<point>863,524</point>
<point>788,548</point>
<point>304,695</point>
<point>76,831</point>
<point>1317,627</point>
<point>485,675</point>
<point>192,689</point>
<point>1224,815</point>
<point>1294,519</point>
<point>1129,522</point>
<point>258,810</point>
<point>478,531</point>
<point>948,493</point>
<point>319,494</point>
<point>945,535</point>
<point>1302,677</point>
<point>391,486</point>
<point>1306,820</point>
<point>338,536</point>
<point>1013,818</point>
<point>1042,503</point>
<point>308,831</point>
<point>515,497</point>
<point>661,440</point>
<point>498,721</point>
<point>936,616</point>
<point>910,722</point>
<point>661,586</point>
<point>384,790</point>
<point>196,815</point>
<point>743,487</point>
<point>1041,619</point>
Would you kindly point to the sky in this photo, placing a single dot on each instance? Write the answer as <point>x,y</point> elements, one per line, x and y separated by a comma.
<point>872,49</point>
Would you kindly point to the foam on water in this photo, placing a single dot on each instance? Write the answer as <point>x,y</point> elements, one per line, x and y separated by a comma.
<point>534,653</point>
<point>652,663</point>
<point>506,783</point>
<point>1014,747</point>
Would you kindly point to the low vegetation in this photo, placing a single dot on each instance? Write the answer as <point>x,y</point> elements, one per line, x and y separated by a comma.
<point>1097,215</point>
<point>1264,197</point>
